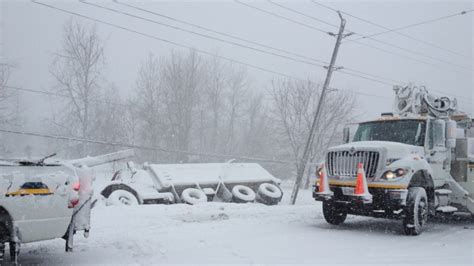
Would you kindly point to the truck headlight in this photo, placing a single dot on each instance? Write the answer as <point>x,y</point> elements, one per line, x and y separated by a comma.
<point>391,175</point>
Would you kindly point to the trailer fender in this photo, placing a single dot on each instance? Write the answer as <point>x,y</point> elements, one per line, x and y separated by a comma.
<point>120,186</point>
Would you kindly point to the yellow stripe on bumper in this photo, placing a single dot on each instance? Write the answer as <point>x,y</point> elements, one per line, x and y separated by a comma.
<point>352,184</point>
<point>30,191</point>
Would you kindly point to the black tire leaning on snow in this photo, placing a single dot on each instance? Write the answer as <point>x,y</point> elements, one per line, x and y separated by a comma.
<point>334,213</point>
<point>416,211</point>
<point>269,194</point>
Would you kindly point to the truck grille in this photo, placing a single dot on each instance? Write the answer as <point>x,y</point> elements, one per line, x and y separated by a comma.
<point>344,163</point>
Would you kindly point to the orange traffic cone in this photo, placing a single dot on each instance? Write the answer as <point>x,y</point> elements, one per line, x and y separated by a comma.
<point>361,189</point>
<point>324,182</point>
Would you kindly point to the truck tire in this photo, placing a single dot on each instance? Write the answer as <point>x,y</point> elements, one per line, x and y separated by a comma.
<point>416,211</point>
<point>269,194</point>
<point>122,197</point>
<point>242,194</point>
<point>334,213</point>
<point>2,251</point>
<point>14,252</point>
<point>193,196</point>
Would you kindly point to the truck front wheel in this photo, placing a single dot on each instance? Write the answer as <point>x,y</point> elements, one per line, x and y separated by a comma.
<point>334,213</point>
<point>2,251</point>
<point>14,252</point>
<point>416,212</point>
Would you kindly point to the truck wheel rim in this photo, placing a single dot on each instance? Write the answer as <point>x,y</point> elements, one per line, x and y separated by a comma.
<point>422,213</point>
<point>124,200</point>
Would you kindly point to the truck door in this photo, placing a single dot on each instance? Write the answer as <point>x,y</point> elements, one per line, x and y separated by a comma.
<point>437,152</point>
<point>39,206</point>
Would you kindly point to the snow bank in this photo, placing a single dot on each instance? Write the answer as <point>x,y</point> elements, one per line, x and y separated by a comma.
<point>252,233</point>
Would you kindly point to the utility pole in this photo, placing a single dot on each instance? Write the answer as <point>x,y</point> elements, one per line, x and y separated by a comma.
<point>302,164</point>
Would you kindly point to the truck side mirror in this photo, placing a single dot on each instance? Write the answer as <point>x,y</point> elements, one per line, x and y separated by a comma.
<point>346,135</point>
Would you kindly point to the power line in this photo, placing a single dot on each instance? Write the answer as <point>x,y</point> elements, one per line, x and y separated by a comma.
<point>360,76</point>
<point>235,37</point>
<point>373,39</point>
<point>388,30</point>
<point>415,52</point>
<point>219,32</point>
<point>169,42</point>
<point>380,41</point>
<point>140,147</point>
<point>197,50</point>
<point>61,95</point>
<point>303,14</point>
<point>166,41</point>
<point>368,45</point>
<point>201,34</point>
<point>417,24</point>
<point>284,18</point>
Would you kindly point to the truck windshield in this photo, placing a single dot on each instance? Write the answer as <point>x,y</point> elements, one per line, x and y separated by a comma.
<point>410,132</point>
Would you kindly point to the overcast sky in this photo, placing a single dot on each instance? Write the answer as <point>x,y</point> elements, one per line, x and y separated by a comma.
<point>31,33</point>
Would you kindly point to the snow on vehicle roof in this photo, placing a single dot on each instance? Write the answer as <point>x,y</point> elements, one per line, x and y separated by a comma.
<point>211,173</point>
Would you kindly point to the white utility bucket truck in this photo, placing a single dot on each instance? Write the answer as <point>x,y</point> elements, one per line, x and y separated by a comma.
<point>42,200</point>
<point>416,163</point>
<point>193,183</point>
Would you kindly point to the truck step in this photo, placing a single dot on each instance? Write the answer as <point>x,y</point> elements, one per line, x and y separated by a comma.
<point>446,209</point>
<point>443,191</point>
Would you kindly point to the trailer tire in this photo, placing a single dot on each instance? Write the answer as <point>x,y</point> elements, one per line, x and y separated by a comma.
<point>269,194</point>
<point>122,197</point>
<point>333,212</point>
<point>193,196</point>
<point>416,211</point>
<point>243,194</point>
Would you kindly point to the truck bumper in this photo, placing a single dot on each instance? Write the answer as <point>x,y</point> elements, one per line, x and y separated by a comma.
<point>385,202</point>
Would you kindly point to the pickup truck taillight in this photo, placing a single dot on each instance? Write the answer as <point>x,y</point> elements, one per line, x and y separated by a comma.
<point>73,203</point>
<point>76,186</point>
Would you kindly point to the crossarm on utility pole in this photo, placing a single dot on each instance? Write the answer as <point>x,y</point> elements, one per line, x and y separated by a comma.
<point>302,163</point>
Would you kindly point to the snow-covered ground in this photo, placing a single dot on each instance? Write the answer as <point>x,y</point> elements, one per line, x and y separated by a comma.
<point>252,234</point>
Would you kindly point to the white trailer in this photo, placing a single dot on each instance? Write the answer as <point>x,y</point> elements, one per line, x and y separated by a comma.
<point>193,183</point>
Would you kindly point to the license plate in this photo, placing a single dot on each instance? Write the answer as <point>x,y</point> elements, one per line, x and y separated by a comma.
<point>348,190</point>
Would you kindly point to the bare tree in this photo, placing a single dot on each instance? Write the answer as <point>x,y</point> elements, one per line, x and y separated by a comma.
<point>109,122</point>
<point>212,105</point>
<point>295,103</point>
<point>9,109</point>
<point>237,86</point>
<point>6,94</point>
<point>182,81</point>
<point>77,69</point>
<point>150,108</point>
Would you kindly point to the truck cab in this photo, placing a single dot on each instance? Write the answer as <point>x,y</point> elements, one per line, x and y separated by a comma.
<point>414,165</point>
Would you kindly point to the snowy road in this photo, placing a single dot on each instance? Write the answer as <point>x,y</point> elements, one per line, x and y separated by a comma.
<point>252,233</point>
